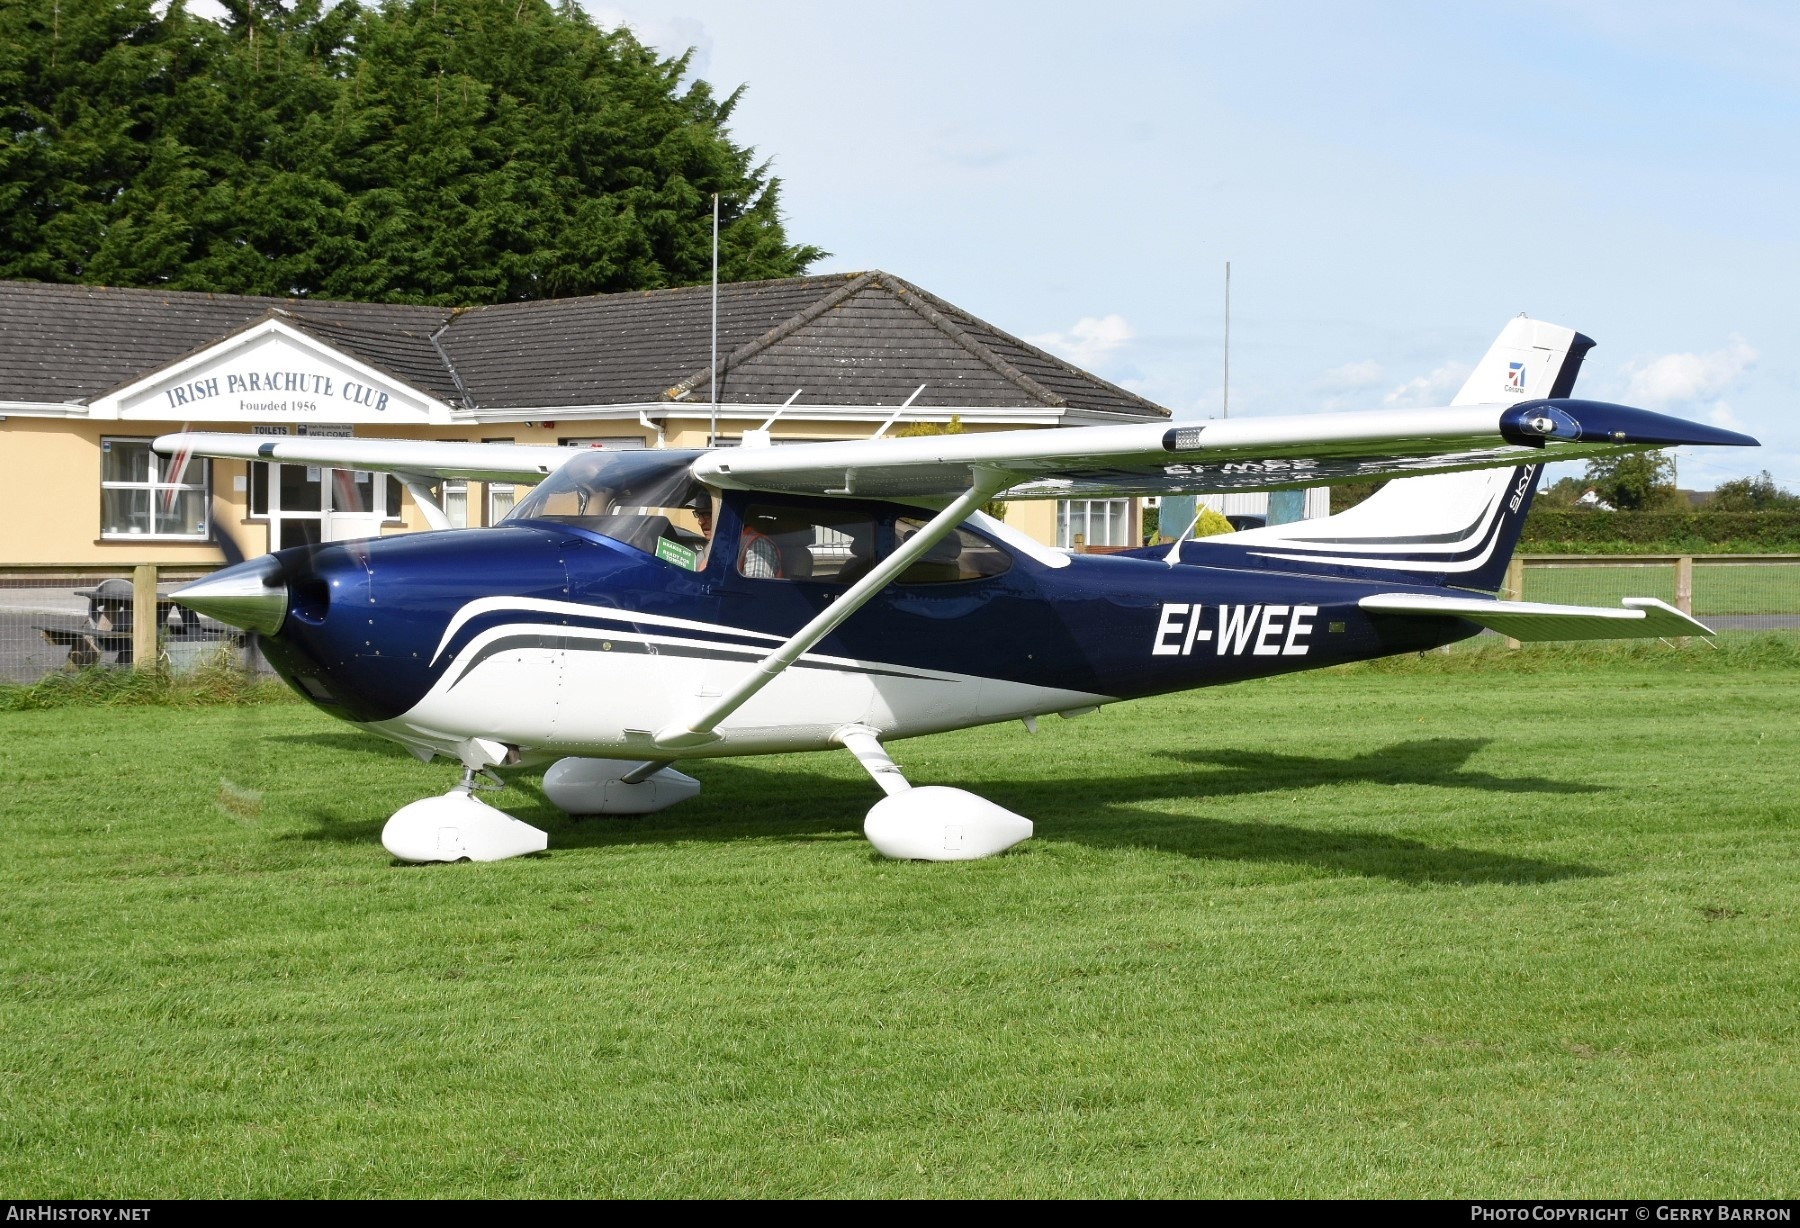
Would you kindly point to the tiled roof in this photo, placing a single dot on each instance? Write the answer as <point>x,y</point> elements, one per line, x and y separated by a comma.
<point>846,338</point>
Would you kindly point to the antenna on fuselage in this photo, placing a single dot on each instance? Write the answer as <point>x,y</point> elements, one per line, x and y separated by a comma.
<point>712,436</point>
<point>771,422</point>
<point>895,416</point>
<point>1174,555</point>
<point>761,437</point>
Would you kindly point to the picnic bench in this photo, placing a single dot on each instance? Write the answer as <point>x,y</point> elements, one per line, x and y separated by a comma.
<point>109,629</point>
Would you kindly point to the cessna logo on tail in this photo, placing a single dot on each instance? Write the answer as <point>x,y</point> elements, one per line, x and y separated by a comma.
<point>1515,377</point>
<point>1260,630</point>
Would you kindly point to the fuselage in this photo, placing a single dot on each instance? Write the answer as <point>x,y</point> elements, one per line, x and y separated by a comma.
<point>559,640</point>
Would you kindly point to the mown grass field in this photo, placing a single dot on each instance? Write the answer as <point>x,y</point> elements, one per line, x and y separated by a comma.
<point>1441,928</point>
<point>1719,588</point>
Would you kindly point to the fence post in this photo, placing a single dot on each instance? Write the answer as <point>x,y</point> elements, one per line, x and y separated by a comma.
<point>1684,584</point>
<point>1515,588</point>
<point>145,650</point>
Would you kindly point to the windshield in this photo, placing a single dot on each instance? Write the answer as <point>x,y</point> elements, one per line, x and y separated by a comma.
<point>640,498</point>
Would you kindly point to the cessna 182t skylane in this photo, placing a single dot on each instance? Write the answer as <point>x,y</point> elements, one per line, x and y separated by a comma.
<point>643,608</point>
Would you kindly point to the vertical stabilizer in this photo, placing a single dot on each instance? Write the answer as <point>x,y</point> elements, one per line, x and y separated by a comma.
<point>1449,528</point>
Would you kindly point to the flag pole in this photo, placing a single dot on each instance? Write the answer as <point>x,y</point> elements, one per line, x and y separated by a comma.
<point>712,440</point>
<point>1225,408</point>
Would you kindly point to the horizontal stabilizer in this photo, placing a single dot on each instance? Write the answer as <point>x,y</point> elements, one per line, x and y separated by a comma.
<point>1639,617</point>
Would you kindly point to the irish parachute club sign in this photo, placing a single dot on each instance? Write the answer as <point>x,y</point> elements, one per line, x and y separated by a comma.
<point>308,387</point>
<point>268,372</point>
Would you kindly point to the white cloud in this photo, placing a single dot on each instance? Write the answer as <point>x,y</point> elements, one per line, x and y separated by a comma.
<point>1683,379</point>
<point>1089,342</point>
<point>1721,415</point>
<point>1434,389</point>
<point>1352,375</point>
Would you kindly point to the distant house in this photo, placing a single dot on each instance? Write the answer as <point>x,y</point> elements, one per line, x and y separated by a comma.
<point>89,375</point>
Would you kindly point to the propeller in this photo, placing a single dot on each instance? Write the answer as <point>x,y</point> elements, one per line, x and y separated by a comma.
<point>211,596</point>
<point>254,594</point>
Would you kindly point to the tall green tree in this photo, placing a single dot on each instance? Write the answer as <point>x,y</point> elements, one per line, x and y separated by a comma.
<point>82,87</point>
<point>446,151</point>
<point>1638,482</point>
<point>1757,494</point>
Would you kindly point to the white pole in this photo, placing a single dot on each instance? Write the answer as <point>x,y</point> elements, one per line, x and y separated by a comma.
<point>1227,401</point>
<point>712,439</point>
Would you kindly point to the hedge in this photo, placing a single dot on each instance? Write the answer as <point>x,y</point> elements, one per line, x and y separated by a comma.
<point>1560,532</point>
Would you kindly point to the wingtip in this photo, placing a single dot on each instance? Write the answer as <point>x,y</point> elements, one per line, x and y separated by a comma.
<point>1604,422</point>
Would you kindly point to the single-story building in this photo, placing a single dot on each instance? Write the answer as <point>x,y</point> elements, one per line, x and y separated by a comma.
<point>89,375</point>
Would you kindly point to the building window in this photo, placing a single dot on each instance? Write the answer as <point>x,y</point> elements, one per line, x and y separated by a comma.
<point>142,494</point>
<point>1093,522</point>
<point>614,442</point>
<point>454,499</point>
<point>500,499</point>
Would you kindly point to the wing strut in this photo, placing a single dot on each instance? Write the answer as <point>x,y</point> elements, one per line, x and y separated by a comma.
<point>420,490</point>
<point>682,735</point>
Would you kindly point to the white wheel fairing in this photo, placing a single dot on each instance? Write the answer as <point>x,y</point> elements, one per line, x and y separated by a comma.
<point>458,826</point>
<point>939,823</point>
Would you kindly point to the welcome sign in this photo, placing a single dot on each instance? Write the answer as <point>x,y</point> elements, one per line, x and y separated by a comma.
<point>272,372</point>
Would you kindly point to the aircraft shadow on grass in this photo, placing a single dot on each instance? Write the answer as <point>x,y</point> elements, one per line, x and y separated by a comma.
<point>1440,762</point>
<point>1102,812</point>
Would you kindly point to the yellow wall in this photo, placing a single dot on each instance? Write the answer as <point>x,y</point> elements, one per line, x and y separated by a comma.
<point>50,495</point>
<point>1035,518</point>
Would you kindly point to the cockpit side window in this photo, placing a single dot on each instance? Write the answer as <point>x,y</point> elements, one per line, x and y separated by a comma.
<point>648,500</point>
<point>961,555</point>
<point>783,543</point>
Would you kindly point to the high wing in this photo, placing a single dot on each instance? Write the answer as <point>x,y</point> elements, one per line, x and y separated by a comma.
<point>1211,456</point>
<point>484,462</point>
<point>1198,457</point>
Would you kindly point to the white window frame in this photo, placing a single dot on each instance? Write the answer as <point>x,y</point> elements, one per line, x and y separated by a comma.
<point>495,489</point>
<point>157,489</point>
<point>454,493</point>
<point>618,443</point>
<point>513,491</point>
<point>384,486</point>
<point>1075,518</point>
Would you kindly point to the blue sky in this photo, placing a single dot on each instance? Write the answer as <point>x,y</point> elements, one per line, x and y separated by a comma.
<point>1390,181</point>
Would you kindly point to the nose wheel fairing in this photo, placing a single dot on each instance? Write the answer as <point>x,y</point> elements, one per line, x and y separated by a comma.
<point>458,826</point>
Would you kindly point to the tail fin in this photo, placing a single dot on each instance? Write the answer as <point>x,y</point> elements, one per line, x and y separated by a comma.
<point>1451,528</point>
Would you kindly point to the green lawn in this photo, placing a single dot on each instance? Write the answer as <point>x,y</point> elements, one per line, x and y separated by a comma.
<point>1428,929</point>
<point>1719,588</point>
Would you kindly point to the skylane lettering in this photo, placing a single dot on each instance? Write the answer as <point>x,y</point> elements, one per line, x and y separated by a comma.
<point>1258,630</point>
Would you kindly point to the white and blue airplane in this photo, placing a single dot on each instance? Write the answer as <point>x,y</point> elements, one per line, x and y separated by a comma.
<point>640,609</point>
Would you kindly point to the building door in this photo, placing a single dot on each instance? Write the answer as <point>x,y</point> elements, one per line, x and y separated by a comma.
<point>309,504</point>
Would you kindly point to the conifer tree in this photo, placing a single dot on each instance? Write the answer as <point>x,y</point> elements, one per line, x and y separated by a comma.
<point>446,151</point>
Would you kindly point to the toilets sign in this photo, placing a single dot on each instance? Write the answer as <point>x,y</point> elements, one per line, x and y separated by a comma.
<point>278,392</point>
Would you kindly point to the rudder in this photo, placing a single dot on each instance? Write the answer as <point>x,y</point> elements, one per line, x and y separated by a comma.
<point>1457,529</point>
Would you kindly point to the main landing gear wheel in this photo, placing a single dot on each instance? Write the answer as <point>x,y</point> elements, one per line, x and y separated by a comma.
<point>613,786</point>
<point>932,822</point>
